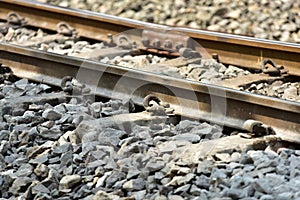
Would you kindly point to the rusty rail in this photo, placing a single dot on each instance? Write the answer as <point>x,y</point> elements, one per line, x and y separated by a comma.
<point>224,106</point>
<point>231,49</point>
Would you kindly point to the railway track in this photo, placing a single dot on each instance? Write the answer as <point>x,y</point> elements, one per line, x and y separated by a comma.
<point>192,95</point>
<point>235,50</point>
<point>253,121</point>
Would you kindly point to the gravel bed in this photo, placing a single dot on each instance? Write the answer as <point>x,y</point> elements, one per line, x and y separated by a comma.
<point>208,71</point>
<point>289,91</point>
<point>42,156</point>
<point>275,20</point>
<point>66,46</point>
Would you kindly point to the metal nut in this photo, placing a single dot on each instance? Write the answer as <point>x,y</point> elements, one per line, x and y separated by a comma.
<point>156,43</point>
<point>146,41</point>
<point>168,44</point>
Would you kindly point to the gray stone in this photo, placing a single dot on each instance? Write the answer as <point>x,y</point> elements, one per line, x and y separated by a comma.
<point>186,125</point>
<point>19,183</point>
<point>266,197</point>
<point>140,195</point>
<point>95,109</point>
<point>177,170</point>
<point>119,184</point>
<point>235,157</point>
<point>194,190</point>
<point>82,192</point>
<point>203,181</point>
<point>193,138</point>
<point>101,180</point>
<point>167,147</point>
<point>267,163</point>
<point>69,181</point>
<point>246,159</point>
<point>134,184</point>
<point>89,146</point>
<point>233,165</point>
<point>4,134</point>
<point>62,148</point>
<point>181,180</point>
<point>161,197</point>
<point>20,110</point>
<point>51,114</point>
<point>175,197</point>
<point>218,174</point>
<point>164,132</point>
<point>24,170</point>
<point>40,188</point>
<point>4,146</point>
<point>214,27</point>
<point>102,195</point>
<point>95,164</point>
<point>165,181</point>
<point>203,130</point>
<point>35,107</point>
<point>44,87</point>
<point>158,139</point>
<point>40,159</point>
<point>234,193</point>
<point>274,179</point>
<point>182,189</point>
<point>205,167</point>
<point>262,185</point>
<point>159,175</point>
<point>66,158</point>
<point>67,170</point>
<point>21,84</point>
<point>49,134</point>
<point>294,166</point>
<point>285,195</point>
<point>110,165</point>
<point>154,165</point>
<point>114,177</point>
<point>236,181</point>
<point>285,152</point>
<point>60,108</point>
<point>110,136</point>
<point>132,172</point>
<point>224,157</point>
<point>48,124</point>
<point>216,135</point>
<point>297,152</point>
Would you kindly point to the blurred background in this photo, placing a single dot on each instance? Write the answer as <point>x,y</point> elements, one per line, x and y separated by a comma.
<point>274,20</point>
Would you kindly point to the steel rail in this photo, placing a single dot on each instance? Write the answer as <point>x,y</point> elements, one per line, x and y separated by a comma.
<point>195,100</point>
<point>231,49</point>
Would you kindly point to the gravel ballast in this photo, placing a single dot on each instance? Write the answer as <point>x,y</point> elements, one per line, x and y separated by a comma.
<point>42,156</point>
<point>274,20</point>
